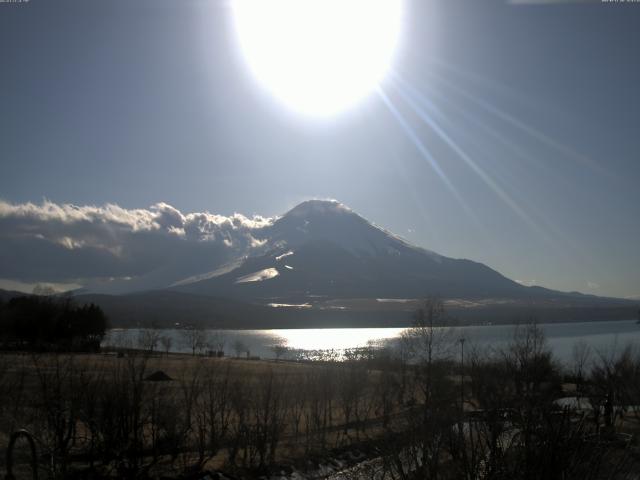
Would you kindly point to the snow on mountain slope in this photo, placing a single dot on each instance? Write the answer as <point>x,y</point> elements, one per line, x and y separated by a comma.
<point>323,249</point>
<point>331,221</point>
<point>260,276</point>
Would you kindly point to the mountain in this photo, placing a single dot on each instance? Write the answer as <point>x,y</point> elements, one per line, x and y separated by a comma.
<point>323,250</point>
<point>323,265</point>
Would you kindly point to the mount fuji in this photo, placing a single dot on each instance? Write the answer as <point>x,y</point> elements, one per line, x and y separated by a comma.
<point>324,250</point>
<point>323,265</point>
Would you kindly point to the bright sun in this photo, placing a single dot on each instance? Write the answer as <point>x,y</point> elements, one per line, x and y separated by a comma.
<point>318,56</point>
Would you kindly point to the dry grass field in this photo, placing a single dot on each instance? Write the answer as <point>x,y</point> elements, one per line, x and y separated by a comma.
<point>141,414</point>
<point>205,413</point>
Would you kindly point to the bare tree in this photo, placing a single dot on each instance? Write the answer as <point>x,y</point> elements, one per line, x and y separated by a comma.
<point>351,381</point>
<point>57,389</point>
<point>166,341</point>
<point>213,418</point>
<point>194,339</point>
<point>217,341</point>
<point>239,347</point>
<point>611,376</point>
<point>279,349</point>
<point>148,339</point>
<point>429,338</point>
<point>418,438</point>
<point>580,355</point>
<point>269,415</point>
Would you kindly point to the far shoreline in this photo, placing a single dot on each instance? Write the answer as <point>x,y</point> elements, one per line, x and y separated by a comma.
<point>365,327</point>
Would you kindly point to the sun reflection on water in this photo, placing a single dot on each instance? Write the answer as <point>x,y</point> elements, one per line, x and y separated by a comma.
<point>333,338</point>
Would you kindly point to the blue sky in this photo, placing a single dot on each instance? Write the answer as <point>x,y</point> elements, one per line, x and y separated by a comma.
<point>530,111</point>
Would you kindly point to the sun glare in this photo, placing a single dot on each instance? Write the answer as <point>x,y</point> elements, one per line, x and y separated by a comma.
<point>318,56</point>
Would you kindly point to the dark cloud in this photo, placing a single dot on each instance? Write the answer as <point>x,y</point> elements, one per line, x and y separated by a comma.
<point>109,244</point>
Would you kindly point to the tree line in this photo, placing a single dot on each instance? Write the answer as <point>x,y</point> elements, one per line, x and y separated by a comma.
<point>51,322</point>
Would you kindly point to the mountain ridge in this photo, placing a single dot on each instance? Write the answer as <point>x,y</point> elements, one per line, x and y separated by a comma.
<point>323,265</point>
<point>323,249</point>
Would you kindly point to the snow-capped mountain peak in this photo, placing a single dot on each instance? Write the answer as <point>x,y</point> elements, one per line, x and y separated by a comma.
<point>333,222</point>
<point>321,248</point>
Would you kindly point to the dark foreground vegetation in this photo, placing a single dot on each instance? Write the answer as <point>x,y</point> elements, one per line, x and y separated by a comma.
<point>435,409</point>
<point>45,323</point>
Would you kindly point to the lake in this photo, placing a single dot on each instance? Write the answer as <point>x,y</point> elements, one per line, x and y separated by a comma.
<point>601,336</point>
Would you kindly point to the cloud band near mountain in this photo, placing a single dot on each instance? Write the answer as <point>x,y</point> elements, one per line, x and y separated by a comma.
<point>51,242</point>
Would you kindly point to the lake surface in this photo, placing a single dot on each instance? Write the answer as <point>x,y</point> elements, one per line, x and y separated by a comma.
<point>601,336</point>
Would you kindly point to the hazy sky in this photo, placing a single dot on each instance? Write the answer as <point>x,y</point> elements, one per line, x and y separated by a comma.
<point>530,111</point>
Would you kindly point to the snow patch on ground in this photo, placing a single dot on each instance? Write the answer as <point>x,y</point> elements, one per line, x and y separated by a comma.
<point>291,305</point>
<point>265,274</point>
<point>395,300</point>
<point>280,257</point>
<point>214,273</point>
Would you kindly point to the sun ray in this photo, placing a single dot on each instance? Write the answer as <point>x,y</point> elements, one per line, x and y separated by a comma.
<point>472,164</point>
<point>549,141</point>
<point>479,124</point>
<point>424,152</point>
<point>551,230</point>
